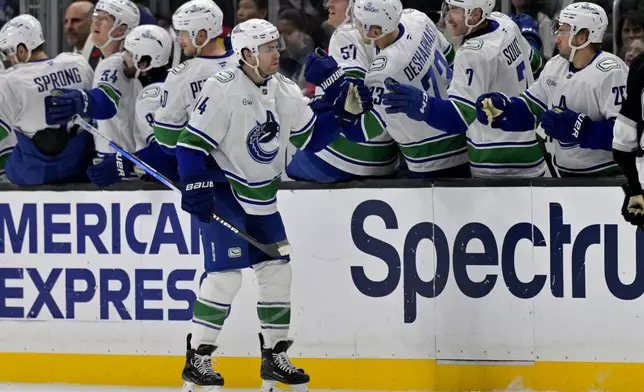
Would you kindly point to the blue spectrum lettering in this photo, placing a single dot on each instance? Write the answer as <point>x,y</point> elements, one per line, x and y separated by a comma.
<point>48,219</point>
<point>560,235</point>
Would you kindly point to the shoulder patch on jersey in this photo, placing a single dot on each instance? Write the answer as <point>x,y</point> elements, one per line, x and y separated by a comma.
<point>180,68</point>
<point>472,44</point>
<point>285,79</point>
<point>150,93</point>
<point>224,76</point>
<point>378,64</point>
<point>608,64</point>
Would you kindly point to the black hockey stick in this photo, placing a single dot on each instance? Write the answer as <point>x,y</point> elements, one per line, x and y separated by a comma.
<point>276,250</point>
<point>546,155</point>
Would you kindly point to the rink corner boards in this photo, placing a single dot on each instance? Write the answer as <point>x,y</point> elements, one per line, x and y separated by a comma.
<point>328,373</point>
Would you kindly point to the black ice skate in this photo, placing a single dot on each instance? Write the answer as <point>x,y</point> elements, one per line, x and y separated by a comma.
<point>198,371</point>
<point>277,367</point>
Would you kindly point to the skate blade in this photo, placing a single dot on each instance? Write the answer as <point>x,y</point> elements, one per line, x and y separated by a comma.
<point>271,386</point>
<point>190,387</point>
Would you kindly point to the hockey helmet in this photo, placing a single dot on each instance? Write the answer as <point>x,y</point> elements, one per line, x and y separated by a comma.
<point>23,29</point>
<point>151,41</point>
<point>197,15</point>
<point>124,12</point>
<point>383,13</point>
<point>253,35</point>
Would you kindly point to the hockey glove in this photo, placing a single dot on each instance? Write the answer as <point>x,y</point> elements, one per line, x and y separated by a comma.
<point>110,170</point>
<point>63,104</point>
<point>529,30</point>
<point>633,207</point>
<point>198,196</point>
<point>406,99</point>
<point>322,70</point>
<point>490,108</point>
<point>565,125</point>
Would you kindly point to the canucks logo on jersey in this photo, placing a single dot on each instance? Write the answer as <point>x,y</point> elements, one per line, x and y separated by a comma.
<point>263,140</point>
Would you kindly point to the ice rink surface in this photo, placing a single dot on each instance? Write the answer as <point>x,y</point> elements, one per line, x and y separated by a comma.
<point>85,388</point>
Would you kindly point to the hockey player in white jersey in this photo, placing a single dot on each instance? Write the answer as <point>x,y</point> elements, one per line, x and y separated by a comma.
<point>494,56</point>
<point>344,159</point>
<point>42,154</point>
<point>147,56</point>
<point>576,99</point>
<point>409,47</point>
<point>243,121</point>
<point>112,99</point>
<point>198,23</point>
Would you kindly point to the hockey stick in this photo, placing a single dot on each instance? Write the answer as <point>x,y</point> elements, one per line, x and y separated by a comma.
<point>541,140</point>
<point>276,250</point>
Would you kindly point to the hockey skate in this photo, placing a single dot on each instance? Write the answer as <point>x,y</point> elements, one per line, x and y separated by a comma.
<point>198,371</point>
<point>278,368</point>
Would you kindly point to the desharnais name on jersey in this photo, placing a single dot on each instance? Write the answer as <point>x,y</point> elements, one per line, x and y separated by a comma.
<point>597,90</point>
<point>122,92</point>
<point>180,92</point>
<point>420,56</point>
<point>246,128</point>
<point>376,157</point>
<point>495,58</point>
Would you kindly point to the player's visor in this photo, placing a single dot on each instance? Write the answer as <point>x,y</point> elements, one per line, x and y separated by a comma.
<point>99,17</point>
<point>560,29</point>
<point>277,45</point>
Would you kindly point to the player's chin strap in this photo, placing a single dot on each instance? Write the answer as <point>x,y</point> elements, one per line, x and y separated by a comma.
<point>574,49</point>
<point>200,47</point>
<point>469,26</point>
<point>256,67</point>
<point>110,39</point>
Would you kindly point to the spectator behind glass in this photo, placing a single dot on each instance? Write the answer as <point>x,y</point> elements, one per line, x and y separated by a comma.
<point>164,21</point>
<point>631,27</point>
<point>252,9</point>
<point>298,46</point>
<point>537,10</point>
<point>636,47</point>
<point>77,29</point>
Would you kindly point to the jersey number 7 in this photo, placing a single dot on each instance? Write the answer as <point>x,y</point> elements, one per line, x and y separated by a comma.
<point>430,80</point>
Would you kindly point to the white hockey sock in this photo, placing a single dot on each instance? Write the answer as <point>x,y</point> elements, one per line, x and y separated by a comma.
<point>274,304</point>
<point>211,308</point>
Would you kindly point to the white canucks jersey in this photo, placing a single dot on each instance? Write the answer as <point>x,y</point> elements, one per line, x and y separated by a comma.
<point>122,91</point>
<point>180,92</point>
<point>376,157</point>
<point>246,128</point>
<point>24,87</point>
<point>498,59</point>
<point>147,103</point>
<point>597,90</point>
<point>418,57</point>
